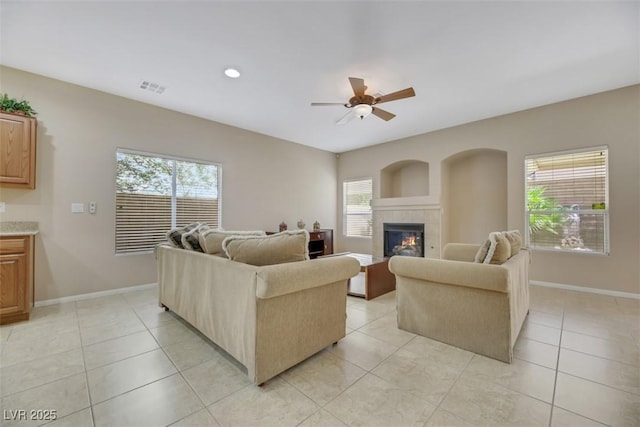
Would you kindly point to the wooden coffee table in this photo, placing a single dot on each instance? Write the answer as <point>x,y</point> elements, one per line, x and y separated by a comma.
<point>376,280</point>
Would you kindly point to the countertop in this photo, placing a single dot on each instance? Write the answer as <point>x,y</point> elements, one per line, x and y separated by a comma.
<point>18,228</point>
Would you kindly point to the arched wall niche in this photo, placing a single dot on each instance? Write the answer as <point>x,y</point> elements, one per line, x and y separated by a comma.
<point>406,178</point>
<point>474,195</point>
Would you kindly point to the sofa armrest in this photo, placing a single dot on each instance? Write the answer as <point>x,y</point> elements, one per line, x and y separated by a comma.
<point>468,274</point>
<point>460,251</point>
<point>281,279</point>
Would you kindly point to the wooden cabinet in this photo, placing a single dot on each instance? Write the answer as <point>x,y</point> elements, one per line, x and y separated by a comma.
<point>17,151</point>
<point>16,278</point>
<point>320,243</point>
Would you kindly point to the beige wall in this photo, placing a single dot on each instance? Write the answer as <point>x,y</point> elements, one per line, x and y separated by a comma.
<point>264,180</point>
<point>410,180</point>
<point>610,118</point>
<point>477,195</point>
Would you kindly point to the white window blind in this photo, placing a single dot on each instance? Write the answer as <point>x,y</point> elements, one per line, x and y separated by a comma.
<point>357,207</point>
<point>568,200</point>
<point>156,193</point>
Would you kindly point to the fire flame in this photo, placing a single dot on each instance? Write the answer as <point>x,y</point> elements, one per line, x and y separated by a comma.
<point>409,241</point>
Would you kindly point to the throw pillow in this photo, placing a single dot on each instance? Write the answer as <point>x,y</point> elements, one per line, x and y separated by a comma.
<point>499,249</point>
<point>515,239</point>
<point>174,236</point>
<point>191,239</point>
<point>482,252</point>
<point>286,246</point>
<point>211,240</point>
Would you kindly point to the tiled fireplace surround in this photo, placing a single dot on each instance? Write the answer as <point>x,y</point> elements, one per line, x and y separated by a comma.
<point>411,210</point>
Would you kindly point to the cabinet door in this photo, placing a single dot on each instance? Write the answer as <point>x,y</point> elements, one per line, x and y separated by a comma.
<point>328,242</point>
<point>17,151</point>
<point>13,286</point>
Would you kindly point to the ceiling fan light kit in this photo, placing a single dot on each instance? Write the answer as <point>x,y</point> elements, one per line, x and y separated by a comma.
<point>362,110</point>
<point>363,104</point>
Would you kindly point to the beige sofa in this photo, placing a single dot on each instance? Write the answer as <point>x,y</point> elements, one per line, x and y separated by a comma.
<point>268,318</point>
<point>477,307</point>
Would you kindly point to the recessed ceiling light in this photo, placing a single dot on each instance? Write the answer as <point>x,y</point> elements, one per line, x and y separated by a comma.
<point>232,73</point>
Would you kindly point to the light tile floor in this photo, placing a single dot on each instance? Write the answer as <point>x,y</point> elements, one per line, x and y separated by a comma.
<point>120,360</point>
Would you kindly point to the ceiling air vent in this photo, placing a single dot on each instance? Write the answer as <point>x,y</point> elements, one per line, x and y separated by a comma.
<point>151,87</point>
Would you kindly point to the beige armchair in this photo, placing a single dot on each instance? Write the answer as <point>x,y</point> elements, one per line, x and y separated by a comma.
<point>477,307</point>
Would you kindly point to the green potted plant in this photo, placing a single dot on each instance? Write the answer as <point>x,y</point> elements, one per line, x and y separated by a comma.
<point>12,105</point>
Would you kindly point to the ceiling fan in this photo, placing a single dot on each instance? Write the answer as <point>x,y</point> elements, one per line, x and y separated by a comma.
<point>361,104</point>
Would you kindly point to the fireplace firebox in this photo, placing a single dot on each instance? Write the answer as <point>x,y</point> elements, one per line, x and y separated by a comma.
<point>403,239</point>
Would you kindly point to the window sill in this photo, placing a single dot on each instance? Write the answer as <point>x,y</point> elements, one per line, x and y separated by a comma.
<point>570,252</point>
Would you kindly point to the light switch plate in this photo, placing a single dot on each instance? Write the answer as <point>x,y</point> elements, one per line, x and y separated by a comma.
<point>3,207</point>
<point>77,207</point>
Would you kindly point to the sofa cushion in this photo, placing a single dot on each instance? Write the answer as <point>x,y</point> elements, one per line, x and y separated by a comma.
<point>174,236</point>
<point>286,246</point>
<point>499,249</point>
<point>495,250</point>
<point>191,239</point>
<point>482,252</point>
<point>211,240</point>
<point>515,239</point>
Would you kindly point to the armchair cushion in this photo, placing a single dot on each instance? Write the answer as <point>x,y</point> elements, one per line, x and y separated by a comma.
<point>495,250</point>
<point>515,239</point>
<point>499,249</point>
<point>483,250</point>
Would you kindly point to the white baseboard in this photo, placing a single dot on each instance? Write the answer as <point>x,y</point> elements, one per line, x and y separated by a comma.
<point>618,294</point>
<point>94,295</point>
<point>153,285</point>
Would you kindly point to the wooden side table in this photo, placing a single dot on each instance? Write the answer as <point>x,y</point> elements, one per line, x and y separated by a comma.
<point>378,280</point>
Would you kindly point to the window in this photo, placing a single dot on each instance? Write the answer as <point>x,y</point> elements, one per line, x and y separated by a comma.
<point>156,193</point>
<point>567,201</point>
<point>357,207</point>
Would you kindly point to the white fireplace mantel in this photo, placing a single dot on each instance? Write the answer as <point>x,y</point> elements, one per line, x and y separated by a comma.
<point>406,203</point>
<point>417,210</point>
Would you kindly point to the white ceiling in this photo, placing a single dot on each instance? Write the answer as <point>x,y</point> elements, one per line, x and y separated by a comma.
<point>466,60</point>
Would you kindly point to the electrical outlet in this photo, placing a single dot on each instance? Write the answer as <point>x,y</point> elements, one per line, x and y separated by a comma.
<point>92,208</point>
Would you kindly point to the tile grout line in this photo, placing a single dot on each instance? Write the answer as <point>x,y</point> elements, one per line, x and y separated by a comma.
<point>84,371</point>
<point>69,376</point>
<point>147,329</point>
<point>565,317</point>
<point>367,371</point>
<point>178,371</point>
<point>555,379</point>
<point>84,365</point>
<point>449,391</point>
<point>135,388</point>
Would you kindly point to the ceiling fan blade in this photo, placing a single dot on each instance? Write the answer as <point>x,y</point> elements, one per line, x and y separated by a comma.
<point>404,93</point>
<point>325,104</point>
<point>384,115</point>
<point>358,86</point>
<point>346,118</point>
